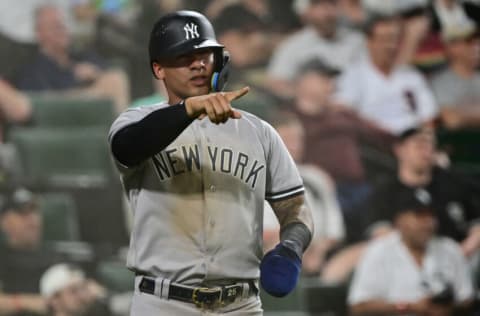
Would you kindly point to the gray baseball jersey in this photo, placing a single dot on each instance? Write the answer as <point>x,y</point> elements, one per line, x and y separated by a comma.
<point>198,204</point>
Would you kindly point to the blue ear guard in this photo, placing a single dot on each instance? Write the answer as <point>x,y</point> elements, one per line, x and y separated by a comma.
<point>220,74</point>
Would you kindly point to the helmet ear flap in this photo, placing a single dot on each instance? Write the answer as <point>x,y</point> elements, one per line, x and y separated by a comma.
<point>221,71</point>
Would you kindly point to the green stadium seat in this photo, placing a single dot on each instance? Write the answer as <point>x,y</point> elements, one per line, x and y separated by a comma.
<point>63,157</point>
<point>61,111</point>
<point>59,214</point>
<point>462,146</point>
<point>325,299</point>
<point>115,276</point>
<point>293,302</point>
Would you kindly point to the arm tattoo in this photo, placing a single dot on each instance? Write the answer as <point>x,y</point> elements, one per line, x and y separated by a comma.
<point>292,210</point>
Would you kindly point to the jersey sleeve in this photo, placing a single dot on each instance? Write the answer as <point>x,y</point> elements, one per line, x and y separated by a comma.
<point>283,179</point>
<point>129,117</point>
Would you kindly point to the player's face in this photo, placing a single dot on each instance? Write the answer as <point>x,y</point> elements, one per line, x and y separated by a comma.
<point>416,228</point>
<point>187,75</point>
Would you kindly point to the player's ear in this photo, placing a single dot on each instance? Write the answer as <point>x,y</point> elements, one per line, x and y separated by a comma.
<point>158,70</point>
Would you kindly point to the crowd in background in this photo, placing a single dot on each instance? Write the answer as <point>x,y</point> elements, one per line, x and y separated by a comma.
<point>363,93</point>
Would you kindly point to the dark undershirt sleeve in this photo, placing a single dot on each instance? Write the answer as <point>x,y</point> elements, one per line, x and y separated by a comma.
<point>139,141</point>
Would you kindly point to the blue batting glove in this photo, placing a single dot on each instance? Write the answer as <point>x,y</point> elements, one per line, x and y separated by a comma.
<point>280,270</point>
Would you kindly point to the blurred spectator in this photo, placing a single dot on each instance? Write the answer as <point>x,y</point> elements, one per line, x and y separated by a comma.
<point>334,139</point>
<point>425,47</point>
<point>69,293</point>
<point>448,13</point>
<point>411,271</point>
<point>457,88</point>
<point>244,35</point>
<point>425,21</point>
<point>455,199</point>
<point>320,195</point>
<point>55,68</point>
<point>17,32</point>
<point>392,96</point>
<point>276,14</point>
<point>321,38</point>
<point>14,107</point>
<point>23,256</point>
<point>352,13</point>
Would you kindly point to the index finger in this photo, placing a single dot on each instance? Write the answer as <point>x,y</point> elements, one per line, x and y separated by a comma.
<point>233,95</point>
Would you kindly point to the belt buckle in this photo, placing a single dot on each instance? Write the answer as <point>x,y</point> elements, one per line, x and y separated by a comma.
<point>204,297</point>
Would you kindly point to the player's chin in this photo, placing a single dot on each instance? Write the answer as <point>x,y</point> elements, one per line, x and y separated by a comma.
<point>199,89</point>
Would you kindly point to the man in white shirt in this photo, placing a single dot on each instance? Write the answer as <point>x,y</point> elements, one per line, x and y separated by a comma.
<point>393,96</point>
<point>410,271</point>
<point>321,38</point>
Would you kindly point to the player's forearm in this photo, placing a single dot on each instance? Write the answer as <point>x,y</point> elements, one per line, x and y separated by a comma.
<point>296,223</point>
<point>140,141</point>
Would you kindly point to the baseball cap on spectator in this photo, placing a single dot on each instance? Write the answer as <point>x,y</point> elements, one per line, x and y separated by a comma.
<point>459,31</point>
<point>18,200</point>
<point>418,200</point>
<point>59,277</point>
<point>319,66</point>
<point>412,131</point>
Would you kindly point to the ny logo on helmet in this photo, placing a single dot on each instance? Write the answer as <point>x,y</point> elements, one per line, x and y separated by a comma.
<point>191,31</point>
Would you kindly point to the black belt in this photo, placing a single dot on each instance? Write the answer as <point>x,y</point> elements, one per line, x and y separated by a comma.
<point>203,297</point>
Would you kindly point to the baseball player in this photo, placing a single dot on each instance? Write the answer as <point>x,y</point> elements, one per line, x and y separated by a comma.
<point>196,172</point>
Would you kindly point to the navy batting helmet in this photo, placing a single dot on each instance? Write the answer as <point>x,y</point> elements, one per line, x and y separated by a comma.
<point>182,32</point>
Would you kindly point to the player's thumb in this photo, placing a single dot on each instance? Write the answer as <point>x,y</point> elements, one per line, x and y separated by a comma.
<point>235,114</point>
<point>237,94</point>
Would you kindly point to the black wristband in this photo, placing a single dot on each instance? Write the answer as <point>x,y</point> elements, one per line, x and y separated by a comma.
<point>296,236</point>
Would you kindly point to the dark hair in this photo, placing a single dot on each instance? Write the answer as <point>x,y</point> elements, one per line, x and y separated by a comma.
<point>376,18</point>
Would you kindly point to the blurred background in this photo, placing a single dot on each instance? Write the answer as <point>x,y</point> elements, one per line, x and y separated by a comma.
<point>371,97</point>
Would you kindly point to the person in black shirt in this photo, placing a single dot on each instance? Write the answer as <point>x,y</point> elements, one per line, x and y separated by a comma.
<point>456,199</point>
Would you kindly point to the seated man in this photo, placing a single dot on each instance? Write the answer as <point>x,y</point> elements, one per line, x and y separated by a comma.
<point>392,96</point>
<point>335,137</point>
<point>456,201</point>
<point>23,256</point>
<point>457,88</point>
<point>57,69</point>
<point>411,271</point>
